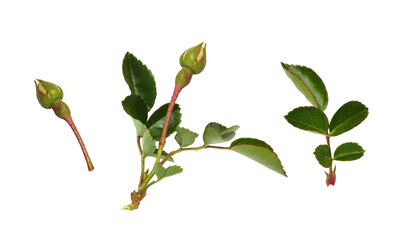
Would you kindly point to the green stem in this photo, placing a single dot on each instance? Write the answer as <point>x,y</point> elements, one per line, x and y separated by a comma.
<point>145,185</point>
<point>331,158</point>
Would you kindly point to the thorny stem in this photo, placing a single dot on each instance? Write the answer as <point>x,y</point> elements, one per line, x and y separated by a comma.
<point>69,120</point>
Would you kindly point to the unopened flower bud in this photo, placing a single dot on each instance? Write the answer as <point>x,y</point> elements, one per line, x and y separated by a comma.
<point>194,58</point>
<point>48,93</point>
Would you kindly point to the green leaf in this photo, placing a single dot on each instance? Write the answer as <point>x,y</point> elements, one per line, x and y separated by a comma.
<point>172,170</point>
<point>163,155</point>
<point>156,121</point>
<point>148,144</point>
<point>184,137</point>
<point>323,155</point>
<point>308,118</point>
<point>259,151</point>
<point>348,152</point>
<point>135,107</point>
<point>308,83</point>
<point>159,171</point>
<point>162,172</point>
<point>217,133</point>
<point>140,79</point>
<point>347,117</point>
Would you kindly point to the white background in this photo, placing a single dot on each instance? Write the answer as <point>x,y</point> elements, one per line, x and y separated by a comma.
<point>45,188</point>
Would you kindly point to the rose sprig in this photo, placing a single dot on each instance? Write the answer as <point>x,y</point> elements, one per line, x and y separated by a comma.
<point>166,121</point>
<point>313,119</point>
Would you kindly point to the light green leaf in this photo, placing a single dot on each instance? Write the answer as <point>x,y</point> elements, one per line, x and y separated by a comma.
<point>135,107</point>
<point>217,133</point>
<point>184,137</point>
<point>259,151</point>
<point>172,170</point>
<point>156,121</point>
<point>348,152</point>
<point>323,155</point>
<point>159,171</point>
<point>140,79</point>
<point>162,172</point>
<point>308,118</point>
<point>308,83</point>
<point>148,144</point>
<point>347,117</point>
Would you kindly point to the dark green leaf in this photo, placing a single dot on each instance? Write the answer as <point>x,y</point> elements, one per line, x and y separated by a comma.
<point>348,152</point>
<point>308,83</point>
<point>259,151</point>
<point>148,144</point>
<point>156,121</point>
<point>135,107</point>
<point>162,172</point>
<point>323,155</point>
<point>347,117</point>
<point>217,133</point>
<point>140,79</point>
<point>185,137</point>
<point>308,118</point>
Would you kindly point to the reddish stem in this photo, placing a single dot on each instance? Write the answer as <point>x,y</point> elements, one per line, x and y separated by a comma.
<point>69,120</point>
<point>175,94</point>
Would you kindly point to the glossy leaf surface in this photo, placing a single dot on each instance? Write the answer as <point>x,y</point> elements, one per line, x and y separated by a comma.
<point>140,79</point>
<point>217,133</point>
<point>148,144</point>
<point>135,107</point>
<point>308,83</point>
<point>308,118</point>
<point>347,117</point>
<point>156,121</point>
<point>348,152</point>
<point>259,151</point>
<point>184,137</point>
<point>323,155</point>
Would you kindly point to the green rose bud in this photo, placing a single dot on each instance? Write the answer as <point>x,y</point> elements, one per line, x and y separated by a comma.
<point>48,93</point>
<point>194,58</point>
<point>183,77</point>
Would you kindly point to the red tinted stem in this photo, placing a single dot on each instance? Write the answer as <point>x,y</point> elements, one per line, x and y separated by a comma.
<point>175,94</point>
<point>69,120</point>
